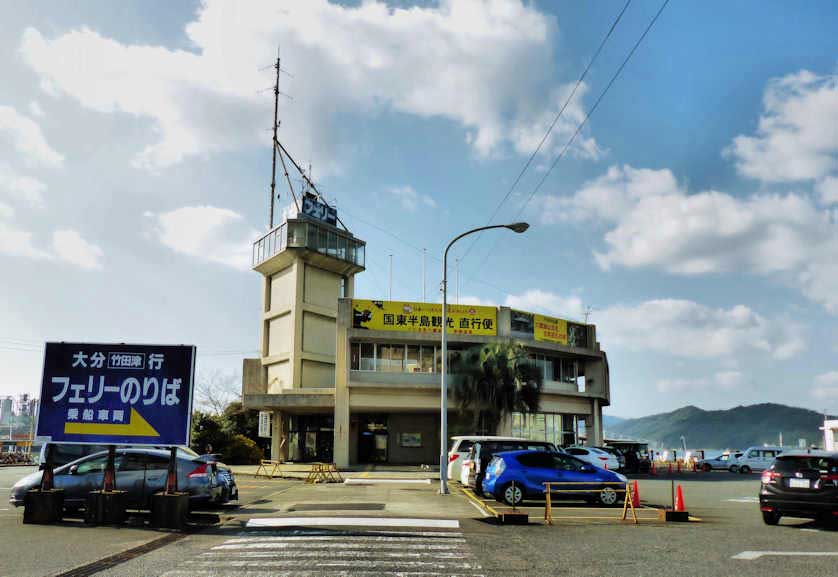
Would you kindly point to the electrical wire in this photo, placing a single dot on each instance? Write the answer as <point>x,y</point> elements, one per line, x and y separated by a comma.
<point>550,129</point>
<point>581,125</point>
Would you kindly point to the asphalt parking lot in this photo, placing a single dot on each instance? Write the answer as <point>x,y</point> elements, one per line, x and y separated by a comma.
<point>731,537</point>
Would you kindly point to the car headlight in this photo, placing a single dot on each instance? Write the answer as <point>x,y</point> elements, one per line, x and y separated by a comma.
<point>622,478</point>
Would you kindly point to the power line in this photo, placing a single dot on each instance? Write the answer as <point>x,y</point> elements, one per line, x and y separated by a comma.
<point>550,129</point>
<point>581,124</point>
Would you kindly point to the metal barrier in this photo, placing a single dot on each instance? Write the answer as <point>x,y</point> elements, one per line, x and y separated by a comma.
<point>628,505</point>
<point>324,472</point>
<point>263,466</point>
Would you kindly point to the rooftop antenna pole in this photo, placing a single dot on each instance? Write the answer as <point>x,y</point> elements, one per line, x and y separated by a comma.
<point>390,297</point>
<point>588,312</point>
<point>273,144</point>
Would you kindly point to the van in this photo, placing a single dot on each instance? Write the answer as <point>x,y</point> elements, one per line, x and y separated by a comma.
<point>462,445</point>
<point>757,458</point>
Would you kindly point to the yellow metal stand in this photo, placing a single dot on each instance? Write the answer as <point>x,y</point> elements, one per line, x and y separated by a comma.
<point>325,473</point>
<point>263,468</point>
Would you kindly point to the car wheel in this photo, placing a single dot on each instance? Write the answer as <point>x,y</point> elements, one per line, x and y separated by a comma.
<point>511,494</point>
<point>706,467</point>
<point>732,469</point>
<point>744,469</point>
<point>770,517</point>
<point>608,497</point>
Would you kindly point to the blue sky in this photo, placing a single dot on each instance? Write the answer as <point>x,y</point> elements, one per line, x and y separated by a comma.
<point>696,213</point>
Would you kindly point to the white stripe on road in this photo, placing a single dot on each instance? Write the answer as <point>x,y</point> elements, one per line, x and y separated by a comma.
<point>377,564</point>
<point>370,552</point>
<point>751,555</point>
<point>338,573</point>
<point>744,500</point>
<point>351,522</point>
<point>482,512</point>
<point>284,534</point>
<point>306,545</point>
<point>373,481</point>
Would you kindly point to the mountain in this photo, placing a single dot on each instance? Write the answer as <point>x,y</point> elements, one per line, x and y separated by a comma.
<point>738,427</point>
<point>609,420</point>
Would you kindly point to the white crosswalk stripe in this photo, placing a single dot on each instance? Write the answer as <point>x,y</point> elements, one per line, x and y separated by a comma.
<point>342,554</point>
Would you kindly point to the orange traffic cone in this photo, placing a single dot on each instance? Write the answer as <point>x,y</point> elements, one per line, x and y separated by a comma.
<point>679,499</point>
<point>635,495</point>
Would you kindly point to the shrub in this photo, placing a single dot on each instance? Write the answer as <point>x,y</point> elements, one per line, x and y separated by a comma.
<point>242,451</point>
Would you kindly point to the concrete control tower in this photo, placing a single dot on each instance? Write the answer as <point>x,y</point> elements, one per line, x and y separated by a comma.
<point>308,263</point>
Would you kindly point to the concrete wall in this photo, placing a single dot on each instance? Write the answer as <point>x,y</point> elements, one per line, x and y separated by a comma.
<point>427,425</point>
<point>318,334</point>
<point>280,335</point>
<point>279,377</point>
<point>317,374</point>
<point>282,290</point>
<point>322,288</point>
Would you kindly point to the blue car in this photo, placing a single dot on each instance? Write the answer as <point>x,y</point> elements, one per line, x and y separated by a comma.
<point>514,476</point>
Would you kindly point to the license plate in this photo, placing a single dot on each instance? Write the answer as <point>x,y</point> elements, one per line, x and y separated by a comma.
<point>799,483</point>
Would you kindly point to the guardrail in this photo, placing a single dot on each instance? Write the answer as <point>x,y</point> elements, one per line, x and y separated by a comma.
<point>628,504</point>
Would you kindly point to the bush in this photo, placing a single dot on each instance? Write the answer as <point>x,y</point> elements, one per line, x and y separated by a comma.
<point>242,451</point>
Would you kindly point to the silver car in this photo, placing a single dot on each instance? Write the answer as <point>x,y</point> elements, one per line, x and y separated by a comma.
<point>139,471</point>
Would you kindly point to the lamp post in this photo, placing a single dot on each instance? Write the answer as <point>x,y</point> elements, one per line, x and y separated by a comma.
<point>518,227</point>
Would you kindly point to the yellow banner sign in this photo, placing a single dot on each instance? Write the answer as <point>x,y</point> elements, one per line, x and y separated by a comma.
<point>549,329</point>
<point>423,317</point>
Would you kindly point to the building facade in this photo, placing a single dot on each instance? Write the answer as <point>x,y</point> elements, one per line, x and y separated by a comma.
<point>357,381</point>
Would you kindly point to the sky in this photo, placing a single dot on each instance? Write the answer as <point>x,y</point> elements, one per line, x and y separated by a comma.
<point>695,215</point>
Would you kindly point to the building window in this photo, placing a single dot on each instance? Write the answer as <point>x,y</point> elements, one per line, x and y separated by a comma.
<point>569,372</point>
<point>521,322</point>
<point>390,358</point>
<point>367,356</point>
<point>411,361</point>
<point>426,361</point>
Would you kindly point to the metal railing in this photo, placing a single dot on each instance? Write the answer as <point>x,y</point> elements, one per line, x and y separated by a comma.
<point>322,238</point>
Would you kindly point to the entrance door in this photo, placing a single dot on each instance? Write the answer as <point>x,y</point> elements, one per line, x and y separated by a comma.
<point>372,439</point>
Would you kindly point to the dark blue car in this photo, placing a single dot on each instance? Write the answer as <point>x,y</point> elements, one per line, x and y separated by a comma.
<point>514,476</point>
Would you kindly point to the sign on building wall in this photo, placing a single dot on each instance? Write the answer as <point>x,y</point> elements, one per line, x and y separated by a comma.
<point>560,331</point>
<point>265,424</point>
<point>116,394</point>
<point>423,317</point>
<point>319,210</point>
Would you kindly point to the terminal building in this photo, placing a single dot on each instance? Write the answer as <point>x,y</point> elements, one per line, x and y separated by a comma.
<point>356,381</point>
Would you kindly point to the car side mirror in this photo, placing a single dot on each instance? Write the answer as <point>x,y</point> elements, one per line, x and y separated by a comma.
<point>74,470</point>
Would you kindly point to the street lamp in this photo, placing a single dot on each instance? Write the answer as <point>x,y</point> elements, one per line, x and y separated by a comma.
<point>518,227</point>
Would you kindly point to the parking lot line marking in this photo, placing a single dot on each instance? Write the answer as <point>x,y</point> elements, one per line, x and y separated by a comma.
<point>751,555</point>
<point>480,509</point>
<point>352,522</point>
<point>314,535</point>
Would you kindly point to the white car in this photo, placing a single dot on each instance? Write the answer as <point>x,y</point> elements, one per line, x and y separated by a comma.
<point>594,456</point>
<point>460,448</point>
<point>756,459</point>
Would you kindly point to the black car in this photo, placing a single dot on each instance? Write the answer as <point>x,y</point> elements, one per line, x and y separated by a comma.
<point>800,484</point>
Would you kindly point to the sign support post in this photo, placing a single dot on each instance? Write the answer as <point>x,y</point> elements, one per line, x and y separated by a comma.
<point>44,504</point>
<point>107,505</point>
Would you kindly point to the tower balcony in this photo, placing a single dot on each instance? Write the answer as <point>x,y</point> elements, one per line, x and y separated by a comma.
<point>316,241</point>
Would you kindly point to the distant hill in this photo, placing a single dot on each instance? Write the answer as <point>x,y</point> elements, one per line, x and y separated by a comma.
<point>608,421</point>
<point>738,427</point>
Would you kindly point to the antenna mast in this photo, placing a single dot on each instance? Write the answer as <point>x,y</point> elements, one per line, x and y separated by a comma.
<point>273,143</point>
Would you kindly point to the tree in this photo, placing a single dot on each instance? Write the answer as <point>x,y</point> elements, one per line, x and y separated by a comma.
<point>493,380</point>
<point>216,389</point>
<point>208,432</point>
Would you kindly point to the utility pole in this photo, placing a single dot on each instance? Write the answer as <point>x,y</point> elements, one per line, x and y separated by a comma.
<point>390,293</point>
<point>273,143</point>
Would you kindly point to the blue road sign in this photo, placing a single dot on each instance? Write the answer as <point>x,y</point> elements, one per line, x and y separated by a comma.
<point>117,394</point>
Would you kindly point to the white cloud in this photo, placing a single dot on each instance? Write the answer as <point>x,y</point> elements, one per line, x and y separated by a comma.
<point>728,379</point>
<point>826,386</point>
<point>654,222</point>
<point>536,300</point>
<point>470,300</point>
<point>828,190</point>
<point>214,234</point>
<point>680,328</point>
<point>206,100</point>
<point>15,241</point>
<point>410,199</point>
<point>6,211</point>
<point>35,108</point>
<point>69,246</point>
<point>22,188</point>
<point>796,138</point>
<point>26,137</point>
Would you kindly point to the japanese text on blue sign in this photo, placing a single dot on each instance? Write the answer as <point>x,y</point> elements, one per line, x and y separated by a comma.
<point>116,394</point>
